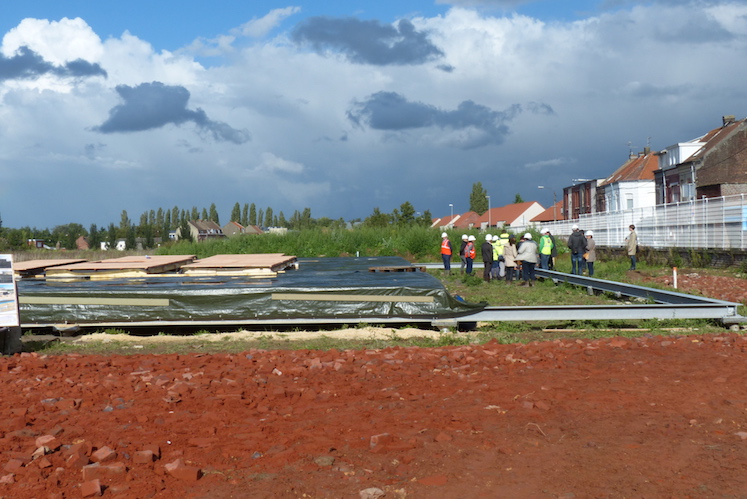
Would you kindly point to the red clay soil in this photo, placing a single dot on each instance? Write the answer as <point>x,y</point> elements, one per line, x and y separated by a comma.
<point>733,289</point>
<point>611,418</point>
<point>648,417</point>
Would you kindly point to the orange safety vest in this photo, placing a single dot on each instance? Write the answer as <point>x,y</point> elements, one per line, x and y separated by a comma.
<point>445,247</point>
<point>470,250</point>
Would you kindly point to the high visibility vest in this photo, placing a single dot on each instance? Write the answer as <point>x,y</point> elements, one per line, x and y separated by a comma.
<point>445,247</point>
<point>469,251</point>
<point>545,245</point>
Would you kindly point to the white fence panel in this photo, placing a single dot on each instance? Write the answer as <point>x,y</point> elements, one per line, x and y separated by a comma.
<point>717,223</point>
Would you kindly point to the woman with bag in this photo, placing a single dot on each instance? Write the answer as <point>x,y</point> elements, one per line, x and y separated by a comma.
<point>591,252</point>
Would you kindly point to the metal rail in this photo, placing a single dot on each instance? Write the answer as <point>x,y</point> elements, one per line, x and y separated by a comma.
<point>624,289</point>
<point>668,304</point>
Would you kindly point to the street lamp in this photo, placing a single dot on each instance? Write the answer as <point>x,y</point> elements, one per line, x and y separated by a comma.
<point>451,220</point>
<point>488,212</point>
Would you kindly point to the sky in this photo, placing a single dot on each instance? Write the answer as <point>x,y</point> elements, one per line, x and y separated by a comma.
<point>343,107</point>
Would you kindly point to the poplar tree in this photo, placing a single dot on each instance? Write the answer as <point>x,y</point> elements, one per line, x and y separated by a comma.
<point>236,213</point>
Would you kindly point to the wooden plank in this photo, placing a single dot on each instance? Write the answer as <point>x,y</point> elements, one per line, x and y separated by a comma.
<point>115,267</point>
<point>78,300</point>
<point>35,267</point>
<point>352,298</point>
<point>273,261</point>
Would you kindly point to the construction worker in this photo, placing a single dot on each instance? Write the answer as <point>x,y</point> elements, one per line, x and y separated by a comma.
<point>499,262</point>
<point>470,252</point>
<point>446,252</point>
<point>487,257</point>
<point>545,249</point>
<point>461,253</point>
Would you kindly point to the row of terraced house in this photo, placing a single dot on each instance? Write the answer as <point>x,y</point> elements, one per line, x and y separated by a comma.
<point>688,195</point>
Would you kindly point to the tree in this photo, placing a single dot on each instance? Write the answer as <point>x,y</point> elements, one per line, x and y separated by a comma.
<point>124,224</point>
<point>282,222</point>
<point>252,215</point>
<point>112,236</point>
<point>295,220</point>
<point>377,219</point>
<point>425,219</point>
<point>130,241</point>
<point>260,217</point>
<point>159,218</point>
<point>518,199</point>
<point>478,201</point>
<point>236,213</point>
<point>204,215</point>
<point>406,214</point>
<point>148,241</point>
<point>245,215</point>
<point>195,215</point>
<point>306,221</point>
<point>268,217</point>
<point>67,234</point>
<point>94,237</point>
<point>214,213</point>
<point>184,233</point>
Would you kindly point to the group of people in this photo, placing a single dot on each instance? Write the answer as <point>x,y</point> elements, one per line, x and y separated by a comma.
<point>583,250</point>
<point>504,258</point>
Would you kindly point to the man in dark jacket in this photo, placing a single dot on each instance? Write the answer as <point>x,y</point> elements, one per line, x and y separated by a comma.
<point>487,257</point>
<point>577,245</point>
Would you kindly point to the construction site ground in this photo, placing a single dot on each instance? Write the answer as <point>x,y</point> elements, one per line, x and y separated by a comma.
<point>616,417</point>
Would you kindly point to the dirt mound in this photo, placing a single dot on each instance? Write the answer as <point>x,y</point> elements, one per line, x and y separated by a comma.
<point>649,417</point>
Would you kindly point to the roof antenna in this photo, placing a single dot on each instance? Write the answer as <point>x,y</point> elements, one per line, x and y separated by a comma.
<point>630,149</point>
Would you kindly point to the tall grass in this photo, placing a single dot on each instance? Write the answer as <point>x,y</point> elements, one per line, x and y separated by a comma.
<point>413,243</point>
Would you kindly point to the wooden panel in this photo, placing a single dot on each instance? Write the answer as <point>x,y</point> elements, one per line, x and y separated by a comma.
<point>356,298</point>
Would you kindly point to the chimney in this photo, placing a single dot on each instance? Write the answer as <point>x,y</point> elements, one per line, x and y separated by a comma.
<point>646,150</point>
<point>728,119</point>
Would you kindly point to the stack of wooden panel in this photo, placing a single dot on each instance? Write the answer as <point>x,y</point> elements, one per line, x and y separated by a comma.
<point>255,265</point>
<point>127,266</point>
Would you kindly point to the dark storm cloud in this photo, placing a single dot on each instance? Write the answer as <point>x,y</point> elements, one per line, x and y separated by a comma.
<point>28,65</point>
<point>391,111</point>
<point>153,105</point>
<point>367,42</point>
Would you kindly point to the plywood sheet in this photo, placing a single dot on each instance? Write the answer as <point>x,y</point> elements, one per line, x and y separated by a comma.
<point>271,261</point>
<point>39,266</point>
<point>129,266</point>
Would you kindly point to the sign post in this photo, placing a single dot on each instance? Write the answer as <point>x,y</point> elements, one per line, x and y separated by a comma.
<point>10,323</point>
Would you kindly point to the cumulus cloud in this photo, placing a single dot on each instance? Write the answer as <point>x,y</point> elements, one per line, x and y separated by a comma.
<point>550,163</point>
<point>154,105</point>
<point>476,125</point>
<point>271,163</point>
<point>255,28</point>
<point>259,27</point>
<point>367,42</point>
<point>504,4</point>
<point>28,65</point>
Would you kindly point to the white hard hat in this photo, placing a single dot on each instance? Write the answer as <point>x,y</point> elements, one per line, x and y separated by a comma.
<point>589,233</point>
<point>527,236</point>
<point>545,231</point>
<point>444,234</point>
<point>488,237</point>
<point>464,236</point>
<point>574,227</point>
<point>471,238</point>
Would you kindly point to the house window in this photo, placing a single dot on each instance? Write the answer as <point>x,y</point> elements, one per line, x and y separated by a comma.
<point>629,201</point>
